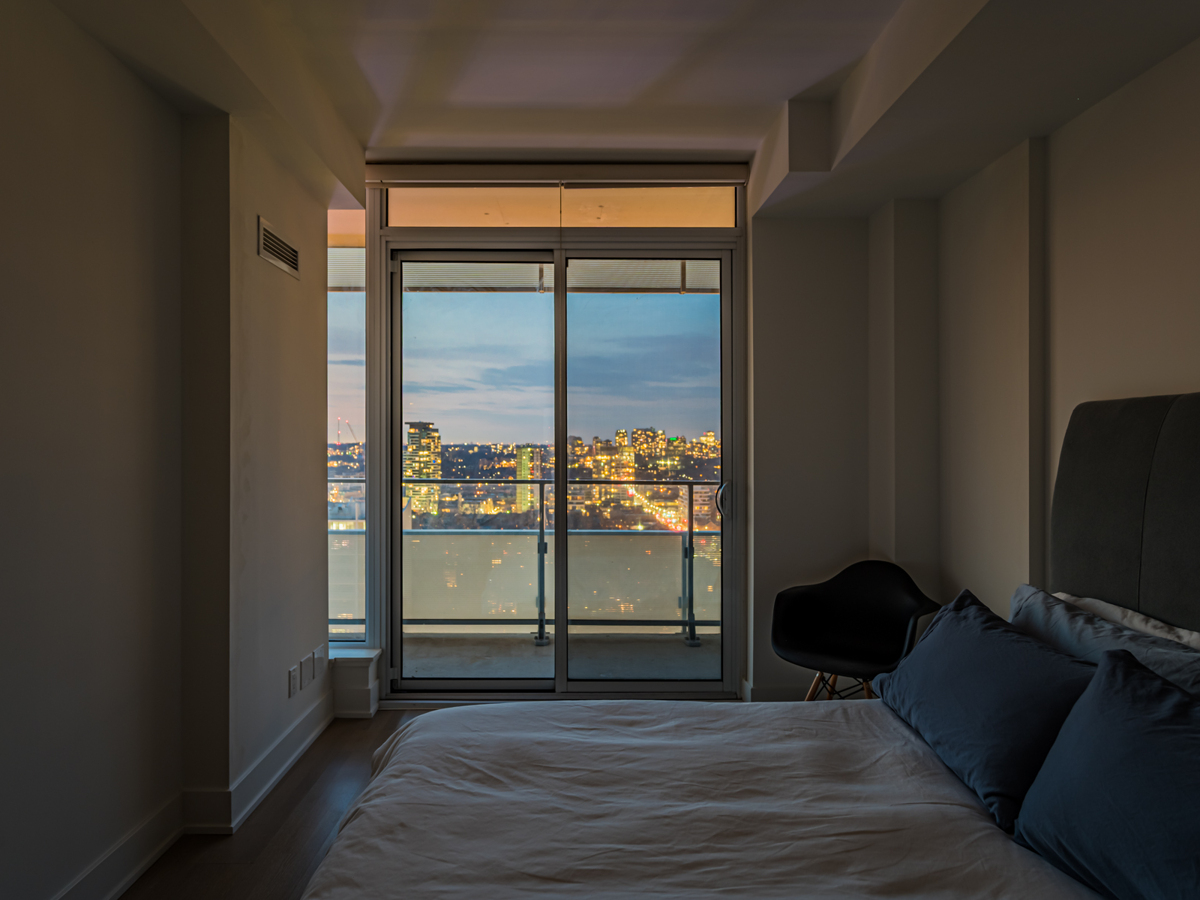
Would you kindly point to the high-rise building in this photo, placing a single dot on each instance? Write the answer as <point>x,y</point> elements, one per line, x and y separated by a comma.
<point>642,440</point>
<point>670,460</point>
<point>707,446</point>
<point>529,465</point>
<point>622,438</point>
<point>423,459</point>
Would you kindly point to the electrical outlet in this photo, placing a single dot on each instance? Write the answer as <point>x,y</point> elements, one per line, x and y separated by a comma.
<point>306,671</point>
<point>293,681</point>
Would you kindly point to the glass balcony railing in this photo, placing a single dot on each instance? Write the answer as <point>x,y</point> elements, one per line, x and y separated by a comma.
<point>478,602</point>
<point>347,527</point>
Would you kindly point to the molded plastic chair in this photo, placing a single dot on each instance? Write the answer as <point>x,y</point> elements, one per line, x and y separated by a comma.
<point>858,624</point>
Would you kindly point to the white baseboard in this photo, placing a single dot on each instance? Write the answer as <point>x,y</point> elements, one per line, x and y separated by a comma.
<point>122,864</point>
<point>223,811</point>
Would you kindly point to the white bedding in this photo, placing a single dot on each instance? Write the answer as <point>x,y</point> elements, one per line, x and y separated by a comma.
<point>672,799</point>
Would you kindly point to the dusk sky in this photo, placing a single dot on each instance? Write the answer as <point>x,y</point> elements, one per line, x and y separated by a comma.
<point>347,362</point>
<point>481,365</point>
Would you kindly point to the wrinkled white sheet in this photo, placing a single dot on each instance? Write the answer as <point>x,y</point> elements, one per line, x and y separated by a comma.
<point>672,799</point>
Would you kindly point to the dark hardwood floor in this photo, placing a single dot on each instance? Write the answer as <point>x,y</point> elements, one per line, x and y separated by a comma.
<point>277,849</point>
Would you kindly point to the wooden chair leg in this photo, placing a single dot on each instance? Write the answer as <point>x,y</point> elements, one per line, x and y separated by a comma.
<point>868,692</point>
<point>814,687</point>
<point>830,687</point>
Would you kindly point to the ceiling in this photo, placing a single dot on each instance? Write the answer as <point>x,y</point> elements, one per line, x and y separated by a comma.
<point>599,80</point>
<point>839,104</point>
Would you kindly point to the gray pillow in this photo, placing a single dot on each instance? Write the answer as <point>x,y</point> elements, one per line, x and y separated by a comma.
<point>1071,630</point>
<point>1132,620</point>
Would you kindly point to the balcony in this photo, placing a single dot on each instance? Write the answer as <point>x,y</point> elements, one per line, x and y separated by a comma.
<point>471,605</point>
<point>478,603</point>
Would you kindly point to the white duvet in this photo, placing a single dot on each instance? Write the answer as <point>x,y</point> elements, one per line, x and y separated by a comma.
<point>672,799</point>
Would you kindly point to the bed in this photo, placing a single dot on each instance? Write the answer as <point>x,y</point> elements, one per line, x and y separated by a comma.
<point>831,799</point>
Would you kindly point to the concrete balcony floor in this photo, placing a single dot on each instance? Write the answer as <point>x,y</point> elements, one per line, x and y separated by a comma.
<point>629,657</point>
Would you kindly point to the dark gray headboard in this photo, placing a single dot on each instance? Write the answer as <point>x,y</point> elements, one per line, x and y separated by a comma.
<point>1125,524</point>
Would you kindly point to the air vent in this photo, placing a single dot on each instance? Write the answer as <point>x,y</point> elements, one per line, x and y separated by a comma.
<point>275,249</point>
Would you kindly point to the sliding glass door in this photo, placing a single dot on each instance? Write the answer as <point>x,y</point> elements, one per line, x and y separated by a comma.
<point>535,389</point>
<point>475,507</point>
<point>643,460</point>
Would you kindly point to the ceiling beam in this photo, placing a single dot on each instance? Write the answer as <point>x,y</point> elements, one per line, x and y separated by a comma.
<point>384,174</point>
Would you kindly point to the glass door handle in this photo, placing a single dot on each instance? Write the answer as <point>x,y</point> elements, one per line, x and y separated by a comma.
<point>720,498</point>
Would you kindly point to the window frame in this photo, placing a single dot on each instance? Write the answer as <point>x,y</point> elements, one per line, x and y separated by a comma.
<point>383,244</point>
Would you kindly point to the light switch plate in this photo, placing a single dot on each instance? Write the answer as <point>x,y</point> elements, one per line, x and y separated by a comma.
<point>306,671</point>
<point>293,681</point>
<point>319,655</point>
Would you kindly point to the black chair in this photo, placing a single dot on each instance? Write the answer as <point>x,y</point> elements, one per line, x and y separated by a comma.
<point>858,624</point>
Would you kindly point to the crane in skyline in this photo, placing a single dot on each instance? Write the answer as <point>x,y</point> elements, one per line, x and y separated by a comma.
<point>348,425</point>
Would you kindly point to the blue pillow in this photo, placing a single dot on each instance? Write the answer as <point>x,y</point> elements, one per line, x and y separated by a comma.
<point>1117,802</point>
<point>1078,633</point>
<point>987,698</point>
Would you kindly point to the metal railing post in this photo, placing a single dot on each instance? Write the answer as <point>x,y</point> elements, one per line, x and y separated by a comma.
<point>540,639</point>
<point>690,562</point>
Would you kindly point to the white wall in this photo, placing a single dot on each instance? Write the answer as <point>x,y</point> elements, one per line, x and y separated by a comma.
<point>255,551</point>
<point>279,554</point>
<point>1121,314</point>
<point>902,374</point>
<point>991,360</point>
<point>90,536</point>
<point>127,362</point>
<point>1124,245</point>
<point>808,413</point>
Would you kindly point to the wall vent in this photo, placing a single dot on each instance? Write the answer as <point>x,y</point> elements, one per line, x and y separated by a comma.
<point>276,250</point>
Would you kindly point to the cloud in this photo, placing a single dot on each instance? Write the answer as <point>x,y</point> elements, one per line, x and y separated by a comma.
<point>348,362</point>
<point>347,340</point>
<point>535,374</point>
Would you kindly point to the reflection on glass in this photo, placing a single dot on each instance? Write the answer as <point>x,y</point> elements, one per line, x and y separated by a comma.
<point>643,373</point>
<point>539,206</point>
<point>649,207</point>
<point>473,207</point>
<point>477,523</point>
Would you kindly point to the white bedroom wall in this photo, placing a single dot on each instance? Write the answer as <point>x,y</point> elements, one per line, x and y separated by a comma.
<point>205,638</point>
<point>902,376</point>
<point>278,544</point>
<point>90,538</point>
<point>1123,237</point>
<point>808,409</point>
<point>991,354</point>
<point>254,460</point>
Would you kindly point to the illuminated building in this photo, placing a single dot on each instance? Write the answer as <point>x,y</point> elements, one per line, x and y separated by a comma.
<point>670,460</point>
<point>707,446</point>
<point>622,438</point>
<point>529,466</point>
<point>644,441</point>
<point>423,459</point>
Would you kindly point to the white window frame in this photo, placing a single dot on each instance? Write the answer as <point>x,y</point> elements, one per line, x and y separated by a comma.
<point>728,243</point>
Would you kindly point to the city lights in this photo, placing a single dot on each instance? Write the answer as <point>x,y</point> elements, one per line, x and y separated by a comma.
<point>603,480</point>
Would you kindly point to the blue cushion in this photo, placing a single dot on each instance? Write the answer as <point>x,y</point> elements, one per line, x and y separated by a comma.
<point>988,699</point>
<point>1079,633</point>
<point>1117,802</point>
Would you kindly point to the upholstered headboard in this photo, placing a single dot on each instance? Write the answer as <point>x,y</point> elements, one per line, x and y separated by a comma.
<point>1125,523</point>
